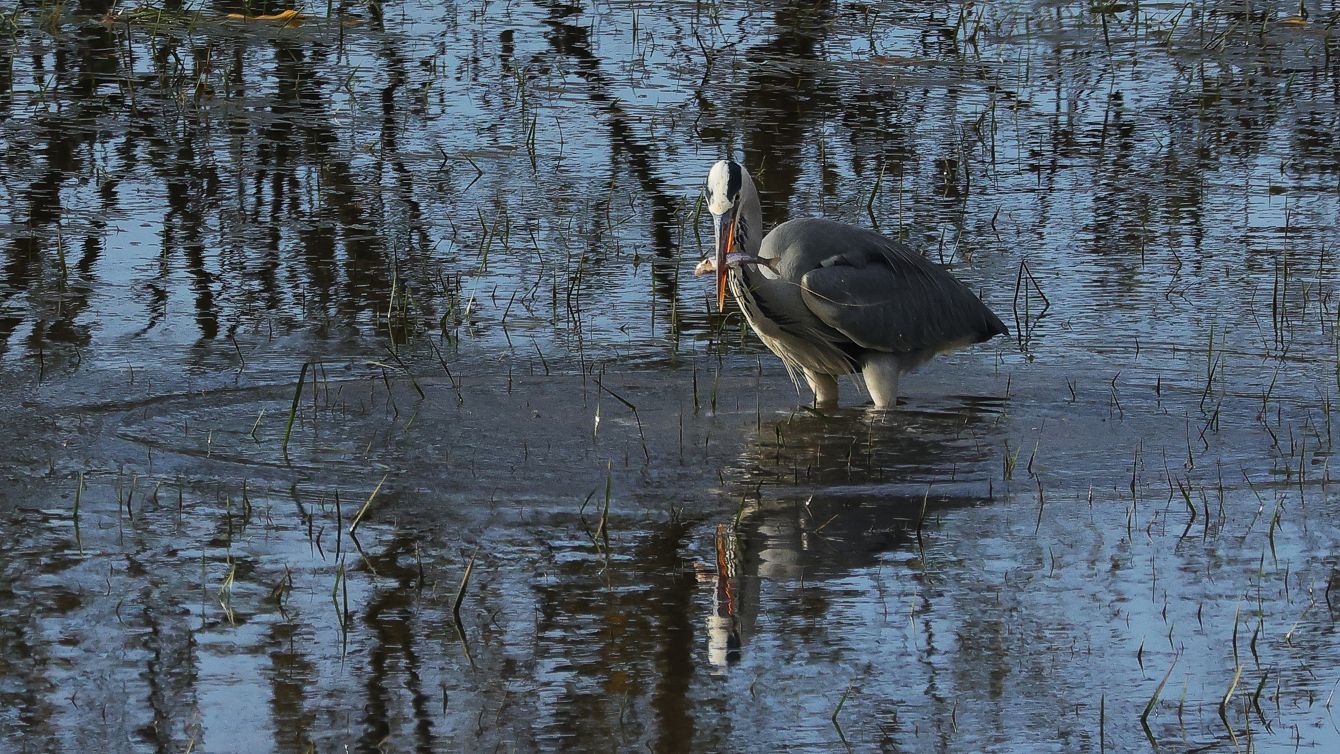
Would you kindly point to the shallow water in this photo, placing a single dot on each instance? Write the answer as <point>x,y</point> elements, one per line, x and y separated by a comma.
<point>477,223</point>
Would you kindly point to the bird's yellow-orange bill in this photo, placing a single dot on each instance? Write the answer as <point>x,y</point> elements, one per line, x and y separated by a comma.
<point>721,289</point>
<point>723,254</point>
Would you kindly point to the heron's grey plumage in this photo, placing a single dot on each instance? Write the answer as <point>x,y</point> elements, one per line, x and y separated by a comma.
<point>832,299</point>
<point>878,292</point>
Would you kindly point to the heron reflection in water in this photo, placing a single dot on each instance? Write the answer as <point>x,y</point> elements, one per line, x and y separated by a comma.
<point>837,496</point>
<point>832,299</point>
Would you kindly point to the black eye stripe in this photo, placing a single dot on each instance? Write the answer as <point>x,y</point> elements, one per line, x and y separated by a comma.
<point>734,183</point>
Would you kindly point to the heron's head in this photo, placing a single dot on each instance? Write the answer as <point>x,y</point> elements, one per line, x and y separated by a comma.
<point>728,187</point>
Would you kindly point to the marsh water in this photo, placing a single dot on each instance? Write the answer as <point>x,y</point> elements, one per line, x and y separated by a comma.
<point>423,271</point>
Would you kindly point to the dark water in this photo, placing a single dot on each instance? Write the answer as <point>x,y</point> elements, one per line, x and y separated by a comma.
<point>476,223</point>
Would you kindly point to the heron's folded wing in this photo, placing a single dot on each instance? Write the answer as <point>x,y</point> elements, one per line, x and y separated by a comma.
<point>891,301</point>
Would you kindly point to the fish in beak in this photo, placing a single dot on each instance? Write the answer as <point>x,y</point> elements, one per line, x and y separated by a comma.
<point>727,253</point>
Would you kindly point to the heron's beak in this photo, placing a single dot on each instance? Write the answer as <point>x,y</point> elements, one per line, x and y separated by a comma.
<point>724,230</point>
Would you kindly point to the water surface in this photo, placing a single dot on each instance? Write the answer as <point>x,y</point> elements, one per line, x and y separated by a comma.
<point>476,223</point>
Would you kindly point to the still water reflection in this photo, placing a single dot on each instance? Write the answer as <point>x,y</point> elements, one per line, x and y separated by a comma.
<point>475,223</point>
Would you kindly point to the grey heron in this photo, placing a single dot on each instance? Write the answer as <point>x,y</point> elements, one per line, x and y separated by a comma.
<point>831,299</point>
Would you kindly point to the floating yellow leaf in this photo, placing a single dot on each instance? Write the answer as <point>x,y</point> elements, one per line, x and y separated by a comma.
<point>1293,21</point>
<point>283,15</point>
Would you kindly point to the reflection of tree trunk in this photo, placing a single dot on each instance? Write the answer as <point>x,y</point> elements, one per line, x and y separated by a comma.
<point>6,77</point>
<point>23,264</point>
<point>301,112</point>
<point>62,159</point>
<point>95,7</point>
<point>575,42</point>
<point>170,672</point>
<point>781,105</point>
<point>389,616</point>
<point>292,676</point>
<point>25,261</point>
<point>318,253</point>
<point>98,63</point>
<point>644,619</point>
<point>674,658</point>
<point>183,207</point>
<point>25,664</point>
<point>391,143</point>
<point>74,299</point>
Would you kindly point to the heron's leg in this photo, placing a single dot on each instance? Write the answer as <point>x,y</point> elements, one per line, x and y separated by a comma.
<point>825,388</point>
<point>881,372</point>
